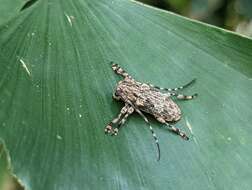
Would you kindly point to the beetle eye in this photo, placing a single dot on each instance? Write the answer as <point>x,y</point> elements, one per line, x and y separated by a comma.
<point>116,96</point>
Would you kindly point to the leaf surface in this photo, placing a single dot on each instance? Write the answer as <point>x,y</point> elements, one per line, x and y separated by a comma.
<point>56,85</point>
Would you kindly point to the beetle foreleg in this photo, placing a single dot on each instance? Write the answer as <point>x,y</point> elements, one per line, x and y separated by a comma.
<point>123,120</point>
<point>109,128</point>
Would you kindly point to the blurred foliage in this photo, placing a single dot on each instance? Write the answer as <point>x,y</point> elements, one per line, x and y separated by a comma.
<point>235,15</point>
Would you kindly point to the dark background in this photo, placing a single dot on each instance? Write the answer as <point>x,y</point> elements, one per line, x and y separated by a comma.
<point>235,15</point>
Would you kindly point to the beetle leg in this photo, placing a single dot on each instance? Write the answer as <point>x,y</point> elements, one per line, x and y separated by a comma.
<point>177,131</point>
<point>123,120</point>
<point>183,97</point>
<point>118,70</point>
<point>109,128</point>
<point>173,129</point>
<point>173,89</point>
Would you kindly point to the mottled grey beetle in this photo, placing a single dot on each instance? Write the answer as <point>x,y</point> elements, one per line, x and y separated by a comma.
<point>147,98</point>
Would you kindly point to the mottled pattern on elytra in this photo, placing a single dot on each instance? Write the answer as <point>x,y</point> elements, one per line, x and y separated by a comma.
<point>148,99</point>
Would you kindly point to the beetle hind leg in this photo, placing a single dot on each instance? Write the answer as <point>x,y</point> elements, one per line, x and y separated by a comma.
<point>182,96</point>
<point>173,89</point>
<point>173,128</point>
<point>177,131</point>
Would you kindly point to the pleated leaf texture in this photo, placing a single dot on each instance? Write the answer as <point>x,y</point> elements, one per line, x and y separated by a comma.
<point>56,86</point>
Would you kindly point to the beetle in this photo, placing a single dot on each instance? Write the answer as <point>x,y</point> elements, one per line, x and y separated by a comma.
<point>145,97</point>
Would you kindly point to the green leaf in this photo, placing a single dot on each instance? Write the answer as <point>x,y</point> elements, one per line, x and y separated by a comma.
<point>4,165</point>
<point>8,181</point>
<point>9,9</point>
<point>56,86</point>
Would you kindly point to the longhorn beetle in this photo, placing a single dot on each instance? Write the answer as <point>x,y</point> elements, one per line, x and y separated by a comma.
<point>141,97</point>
